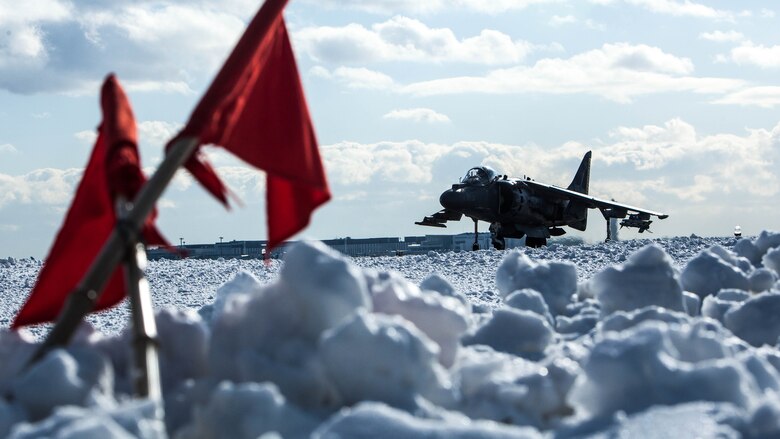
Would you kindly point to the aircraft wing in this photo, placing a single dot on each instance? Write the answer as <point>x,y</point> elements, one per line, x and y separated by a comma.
<point>609,209</point>
<point>439,218</point>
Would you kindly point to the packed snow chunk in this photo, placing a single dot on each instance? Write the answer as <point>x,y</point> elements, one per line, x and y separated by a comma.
<point>716,307</point>
<point>382,358</point>
<point>379,421</point>
<point>765,419</point>
<point>16,349</point>
<point>266,337</point>
<point>621,321</point>
<point>762,279</point>
<point>577,325</point>
<point>522,333</point>
<point>243,282</point>
<point>529,300</point>
<point>248,411</point>
<point>713,270</point>
<point>746,249</point>
<point>556,281</point>
<point>692,303</point>
<point>690,420</point>
<point>182,348</point>
<point>657,363</point>
<point>10,414</point>
<point>766,240</point>
<point>438,283</point>
<point>756,319</point>
<point>647,278</point>
<point>327,287</point>
<point>443,319</point>
<point>131,420</point>
<point>771,260</point>
<point>76,377</point>
<point>501,387</point>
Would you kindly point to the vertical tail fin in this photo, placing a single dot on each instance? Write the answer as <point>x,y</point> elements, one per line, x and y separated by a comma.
<point>581,181</point>
<point>577,214</point>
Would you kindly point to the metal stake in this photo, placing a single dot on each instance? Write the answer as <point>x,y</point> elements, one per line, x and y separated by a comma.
<point>146,374</point>
<point>82,300</point>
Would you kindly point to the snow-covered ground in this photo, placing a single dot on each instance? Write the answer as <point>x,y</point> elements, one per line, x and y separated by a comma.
<point>660,338</point>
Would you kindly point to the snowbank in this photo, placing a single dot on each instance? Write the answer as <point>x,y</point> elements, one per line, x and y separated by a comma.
<point>330,347</point>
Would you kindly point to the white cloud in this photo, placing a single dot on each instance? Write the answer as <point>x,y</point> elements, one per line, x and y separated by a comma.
<point>357,78</point>
<point>7,148</point>
<point>153,46</point>
<point>86,136</point>
<point>757,55</point>
<point>721,36</point>
<point>418,115</point>
<point>767,13</point>
<point>156,132</point>
<point>9,228</point>
<point>42,186</point>
<point>681,8</point>
<point>22,39</point>
<point>766,97</point>
<point>618,72</point>
<point>407,39</point>
<point>560,20</point>
<point>670,159</point>
<point>431,6</point>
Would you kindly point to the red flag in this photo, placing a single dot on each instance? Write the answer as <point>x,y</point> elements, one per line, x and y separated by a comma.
<point>113,170</point>
<point>256,109</point>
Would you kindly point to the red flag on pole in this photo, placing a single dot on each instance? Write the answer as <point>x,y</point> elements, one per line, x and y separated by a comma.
<point>255,108</point>
<point>113,171</point>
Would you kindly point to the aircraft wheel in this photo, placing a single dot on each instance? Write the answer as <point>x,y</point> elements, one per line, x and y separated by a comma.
<point>499,243</point>
<point>475,246</point>
<point>535,242</point>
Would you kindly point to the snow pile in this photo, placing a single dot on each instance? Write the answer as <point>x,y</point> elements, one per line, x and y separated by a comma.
<point>325,346</point>
<point>646,279</point>
<point>556,281</point>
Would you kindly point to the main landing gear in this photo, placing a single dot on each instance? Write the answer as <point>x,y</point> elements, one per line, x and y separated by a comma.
<point>475,246</point>
<point>535,242</point>
<point>498,240</point>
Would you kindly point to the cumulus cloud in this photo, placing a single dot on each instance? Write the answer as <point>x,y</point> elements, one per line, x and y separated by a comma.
<point>156,132</point>
<point>766,97</point>
<point>618,72</point>
<point>679,8</point>
<point>721,36</point>
<point>67,47</point>
<point>22,40</point>
<point>418,115</point>
<point>668,159</point>
<point>757,55</point>
<point>734,163</point>
<point>431,6</point>
<point>359,78</point>
<point>43,186</point>
<point>407,39</point>
<point>87,137</point>
<point>7,148</point>
<point>560,20</point>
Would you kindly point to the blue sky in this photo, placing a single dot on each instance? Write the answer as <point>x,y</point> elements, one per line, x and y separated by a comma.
<point>677,99</point>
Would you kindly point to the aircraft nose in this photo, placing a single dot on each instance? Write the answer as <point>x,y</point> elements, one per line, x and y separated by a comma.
<point>451,199</point>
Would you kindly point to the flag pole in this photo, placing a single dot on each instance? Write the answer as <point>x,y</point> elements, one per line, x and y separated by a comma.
<point>83,298</point>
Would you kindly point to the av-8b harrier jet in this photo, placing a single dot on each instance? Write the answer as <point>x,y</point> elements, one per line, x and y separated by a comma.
<point>523,207</point>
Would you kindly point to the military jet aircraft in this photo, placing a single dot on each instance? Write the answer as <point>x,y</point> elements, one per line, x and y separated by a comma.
<point>517,207</point>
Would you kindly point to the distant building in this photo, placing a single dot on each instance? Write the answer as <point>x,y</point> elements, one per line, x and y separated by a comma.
<point>348,246</point>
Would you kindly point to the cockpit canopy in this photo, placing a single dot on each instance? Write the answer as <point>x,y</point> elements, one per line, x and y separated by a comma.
<point>479,176</point>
